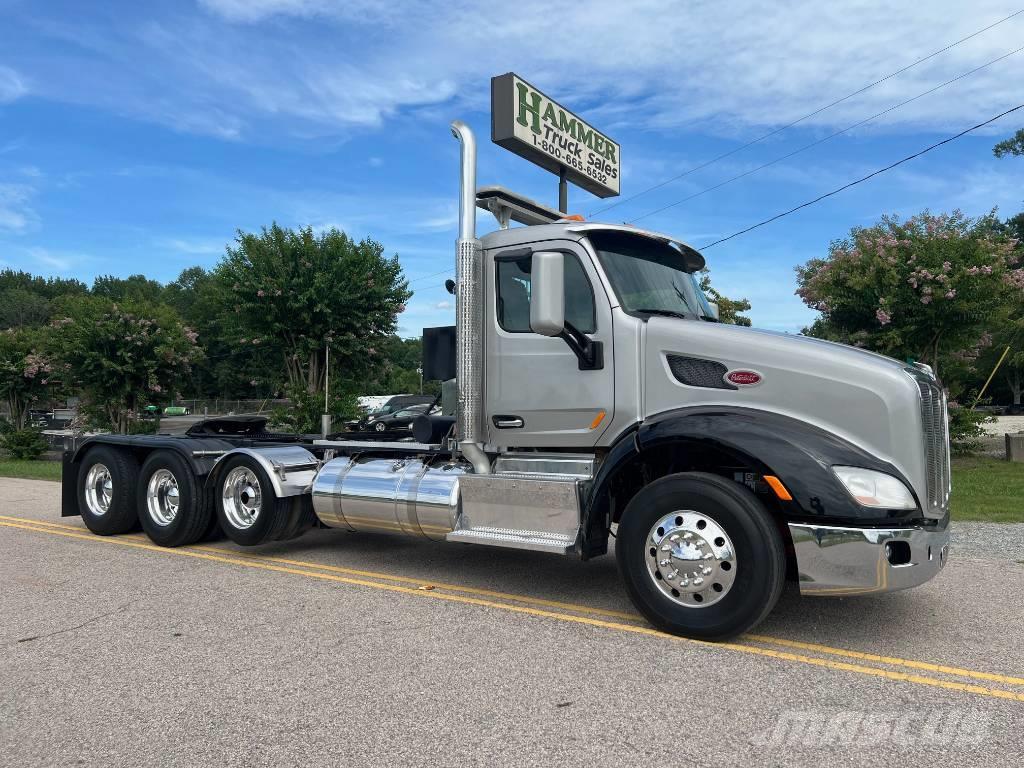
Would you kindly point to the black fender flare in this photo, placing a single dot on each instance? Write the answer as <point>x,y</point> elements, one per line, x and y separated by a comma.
<point>800,454</point>
<point>199,453</point>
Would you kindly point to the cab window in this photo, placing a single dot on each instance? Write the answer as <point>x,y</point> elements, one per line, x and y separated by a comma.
<point>513,294</point>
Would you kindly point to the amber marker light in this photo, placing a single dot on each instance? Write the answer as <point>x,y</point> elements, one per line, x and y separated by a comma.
<point>778,487</point>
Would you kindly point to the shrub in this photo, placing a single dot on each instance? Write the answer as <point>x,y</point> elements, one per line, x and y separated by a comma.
<point>965,428</point>
<point>25,444</point>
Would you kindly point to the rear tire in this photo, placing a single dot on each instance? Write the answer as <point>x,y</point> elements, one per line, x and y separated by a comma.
<point>700,556</point>
<point>107,480</point>
<point>300,518</point>
<point>248,510</point>
<point>173,508</point>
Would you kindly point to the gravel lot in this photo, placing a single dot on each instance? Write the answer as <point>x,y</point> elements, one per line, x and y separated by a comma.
<point>360,649</point>
<point>1004,425</point>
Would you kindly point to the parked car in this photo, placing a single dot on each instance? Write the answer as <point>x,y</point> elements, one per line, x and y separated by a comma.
<point>392,406</point>
<point>402,419</point>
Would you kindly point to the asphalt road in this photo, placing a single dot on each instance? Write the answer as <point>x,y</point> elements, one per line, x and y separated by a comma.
<point>360,649</point>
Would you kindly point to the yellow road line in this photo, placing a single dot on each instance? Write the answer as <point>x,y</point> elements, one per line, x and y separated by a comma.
<point>435,584</point>
<point>578,608</point>
<point>635,629</point>
<point>372,574</point>
<point>925,665</point>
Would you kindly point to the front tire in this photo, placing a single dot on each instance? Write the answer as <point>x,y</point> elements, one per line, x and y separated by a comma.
<point>106,490</point>
<point>700,556</point>
<point>173,507</point>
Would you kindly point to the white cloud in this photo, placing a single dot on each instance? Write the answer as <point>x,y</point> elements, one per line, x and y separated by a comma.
<point>43,260</point>
<point>193,247</point>
<point>12,86</point>
<point>257,10</point>
<point>16,215</point>
<point>443,305</point>
<point>312,68</point>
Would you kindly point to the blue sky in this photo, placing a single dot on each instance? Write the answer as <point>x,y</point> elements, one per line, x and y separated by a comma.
<point>137,137</point>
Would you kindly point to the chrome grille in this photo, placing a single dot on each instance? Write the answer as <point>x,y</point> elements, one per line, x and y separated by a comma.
<point>936,442</point>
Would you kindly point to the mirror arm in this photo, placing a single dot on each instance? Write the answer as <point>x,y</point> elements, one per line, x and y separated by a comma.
<point>589,353</point>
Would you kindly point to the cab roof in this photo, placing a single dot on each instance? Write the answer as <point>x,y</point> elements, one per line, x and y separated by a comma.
<point>576,231</point>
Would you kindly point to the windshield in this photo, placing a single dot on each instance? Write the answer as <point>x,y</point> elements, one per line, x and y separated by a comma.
<point>649,276</point>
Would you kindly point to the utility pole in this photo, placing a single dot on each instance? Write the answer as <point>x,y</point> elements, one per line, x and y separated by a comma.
<point>325,420</point>
<point>420,372</point>
<point>563,191</point>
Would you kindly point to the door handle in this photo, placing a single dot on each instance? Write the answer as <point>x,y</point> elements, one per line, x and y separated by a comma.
<point>508,422</point>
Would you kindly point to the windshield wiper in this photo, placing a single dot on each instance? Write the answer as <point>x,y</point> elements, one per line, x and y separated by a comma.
<point>664,313</point>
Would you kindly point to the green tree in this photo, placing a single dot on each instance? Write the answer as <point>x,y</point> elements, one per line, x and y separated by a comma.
<point>923,288</point>
<point>227,369</point>
<point>20,307</point>
<point>1011,146</point>
<point>120,356</point>
<point>24,371</point>
<point>728,309</point>
<point>47,287</point>
<point>1010,375</point>
<point>26,300</point>
<point>137,288</point>
<point>293,292</point>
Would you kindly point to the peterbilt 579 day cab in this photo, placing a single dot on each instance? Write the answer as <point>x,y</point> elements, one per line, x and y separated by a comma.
<point>597,397</point>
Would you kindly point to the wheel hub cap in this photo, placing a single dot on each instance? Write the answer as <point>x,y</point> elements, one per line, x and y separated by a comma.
<point>162,497</point>
<point>241,497</point>
<point>99,489</point>
<point>691,559</point>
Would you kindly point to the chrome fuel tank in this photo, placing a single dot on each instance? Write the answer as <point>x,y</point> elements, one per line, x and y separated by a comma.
<point>409,495</point>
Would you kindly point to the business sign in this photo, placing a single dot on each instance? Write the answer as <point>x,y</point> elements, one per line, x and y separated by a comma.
<point>525,121</point>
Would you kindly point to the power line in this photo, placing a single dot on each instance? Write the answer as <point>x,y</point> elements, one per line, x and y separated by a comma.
<point>826,138</point>
<point>427,277</point>
<point>750,143</point>
<point>862,179</point>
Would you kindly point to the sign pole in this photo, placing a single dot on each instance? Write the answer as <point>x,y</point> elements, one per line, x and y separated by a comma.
<point>563,191</point>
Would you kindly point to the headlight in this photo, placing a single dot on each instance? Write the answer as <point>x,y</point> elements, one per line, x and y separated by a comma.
<point>875,489</point>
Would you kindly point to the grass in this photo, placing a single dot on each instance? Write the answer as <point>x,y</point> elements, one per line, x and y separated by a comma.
<point>31,470</point>
<point>988,489</point>
<point>984,489</point>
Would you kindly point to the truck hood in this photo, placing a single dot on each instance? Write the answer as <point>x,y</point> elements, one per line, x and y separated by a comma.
<point>833,346</point>
<point>865,398</point>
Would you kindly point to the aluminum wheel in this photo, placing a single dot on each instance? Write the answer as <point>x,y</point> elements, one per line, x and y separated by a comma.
<point>380,426</point>
<point>242,497</point>
<point>162,498</point>
<point>691,559</point>
<point>99,489</point>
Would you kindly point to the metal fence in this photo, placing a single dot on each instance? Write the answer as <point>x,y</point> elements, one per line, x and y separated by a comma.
<point>223,407</point>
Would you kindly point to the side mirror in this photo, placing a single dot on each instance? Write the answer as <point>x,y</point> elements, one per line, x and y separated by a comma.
<point>713,306</point>
<point>547,293</point>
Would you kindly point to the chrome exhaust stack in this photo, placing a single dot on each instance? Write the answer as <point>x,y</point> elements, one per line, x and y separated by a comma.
<point>469,306</point>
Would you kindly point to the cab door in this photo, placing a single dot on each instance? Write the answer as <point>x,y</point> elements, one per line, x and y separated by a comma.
<point>535,393</point>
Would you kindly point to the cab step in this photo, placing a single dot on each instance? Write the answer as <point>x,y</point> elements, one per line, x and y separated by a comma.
<point>538,541</point>
<point>519,510</point>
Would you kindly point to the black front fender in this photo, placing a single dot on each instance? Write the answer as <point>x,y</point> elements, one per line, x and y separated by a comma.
<point>799,454</point>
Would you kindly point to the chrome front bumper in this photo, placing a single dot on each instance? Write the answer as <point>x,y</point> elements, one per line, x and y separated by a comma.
<point>855,561</point>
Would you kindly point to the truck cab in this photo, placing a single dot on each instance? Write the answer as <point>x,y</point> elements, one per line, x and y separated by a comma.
<point>598,396</point>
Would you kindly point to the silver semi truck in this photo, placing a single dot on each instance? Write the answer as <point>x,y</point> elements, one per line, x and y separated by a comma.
<point>598,398</point>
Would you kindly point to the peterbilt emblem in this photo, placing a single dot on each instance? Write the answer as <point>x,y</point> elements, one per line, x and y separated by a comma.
<point>743,378</point>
